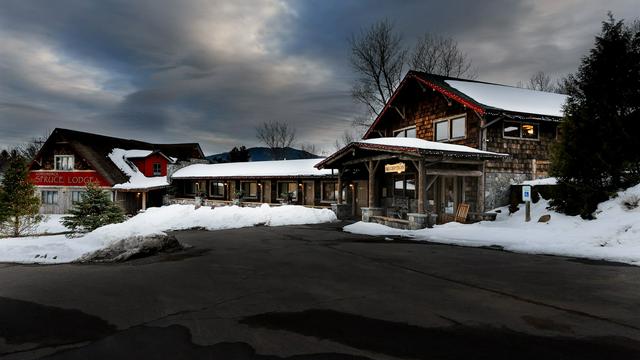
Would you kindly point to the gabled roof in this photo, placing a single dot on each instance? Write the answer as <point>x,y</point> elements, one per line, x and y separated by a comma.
<point>485,98</point>
<point>412,145</point>
<point>96,148</point>
<point>276,168</point>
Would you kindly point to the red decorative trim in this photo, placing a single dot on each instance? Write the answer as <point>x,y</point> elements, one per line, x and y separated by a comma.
<point>451,95</point>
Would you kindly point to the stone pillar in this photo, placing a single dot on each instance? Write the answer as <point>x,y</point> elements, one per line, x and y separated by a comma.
<point>342,211</point>
<point>368,212</point>
<point>417,221</point>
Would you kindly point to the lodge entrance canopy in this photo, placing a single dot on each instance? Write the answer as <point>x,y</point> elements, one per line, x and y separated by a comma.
<point>413,174</point>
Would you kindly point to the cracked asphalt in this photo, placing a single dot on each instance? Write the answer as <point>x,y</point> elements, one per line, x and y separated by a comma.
<point>314,292</point>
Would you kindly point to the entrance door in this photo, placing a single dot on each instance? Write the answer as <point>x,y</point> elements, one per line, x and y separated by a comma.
<point>449,197</point>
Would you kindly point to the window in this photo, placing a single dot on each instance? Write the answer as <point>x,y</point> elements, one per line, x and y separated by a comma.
<point>406,132</point>
<point>63,162</point>
<point>404,186</point>
<point>451,129</point>
<point>290,188</point>
<point>329,191</point>
<point>518,130</point>
<point>458,128</point>
<point>189,187</point>
<point>76,196</point>
<point>442,130</point>
<point>49,197</point>
<point>216,189</point>
<point>250,189</point>
<point>157,169</point>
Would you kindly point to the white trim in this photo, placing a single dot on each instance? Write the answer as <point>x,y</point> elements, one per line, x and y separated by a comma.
<point>449,119</point>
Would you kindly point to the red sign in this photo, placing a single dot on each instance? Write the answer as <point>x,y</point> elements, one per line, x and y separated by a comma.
<point>66,178</point>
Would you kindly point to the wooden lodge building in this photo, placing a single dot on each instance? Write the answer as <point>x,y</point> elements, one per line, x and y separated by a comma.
<point>272,182</point>
<point>135,172</point>
<point>440,142</point>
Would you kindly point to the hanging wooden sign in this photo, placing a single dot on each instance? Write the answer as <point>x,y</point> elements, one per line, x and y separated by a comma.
<point>395,168</point>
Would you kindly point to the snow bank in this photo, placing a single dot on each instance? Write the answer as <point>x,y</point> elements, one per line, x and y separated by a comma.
<point>137,180</point>
<point>613,236</point>
<point>51,224</point>
<point>154,222</point>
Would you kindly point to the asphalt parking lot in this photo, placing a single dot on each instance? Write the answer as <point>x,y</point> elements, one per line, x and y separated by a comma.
<point>314,292</point>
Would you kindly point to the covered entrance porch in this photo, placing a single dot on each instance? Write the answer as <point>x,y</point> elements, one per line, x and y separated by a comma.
<point>411,183</point>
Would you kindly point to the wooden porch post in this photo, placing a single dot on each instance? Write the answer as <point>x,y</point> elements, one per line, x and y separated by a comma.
<point>372,166</point>
<point>144,200</point>
<point>481,190</point>
<point>422,187</point>
<point>339,199</point>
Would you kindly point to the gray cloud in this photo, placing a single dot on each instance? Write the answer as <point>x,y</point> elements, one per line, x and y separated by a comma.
<point>210,71</point>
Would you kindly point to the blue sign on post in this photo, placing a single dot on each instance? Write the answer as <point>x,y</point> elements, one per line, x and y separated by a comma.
<point>526,193</point>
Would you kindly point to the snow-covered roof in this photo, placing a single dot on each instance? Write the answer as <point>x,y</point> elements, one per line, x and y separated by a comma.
<point>543,181</point>
<point>511,98</point>
<point>134,154</point>
<point>137,180</point>
<point>406,142</point>
<point>278,168</point>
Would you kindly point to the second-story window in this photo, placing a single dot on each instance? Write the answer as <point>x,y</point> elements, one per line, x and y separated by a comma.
<point>519,130</point>
<point>406,132</point>
<point>157,169</point>
<point>63,162</point>
<point>450,129</point>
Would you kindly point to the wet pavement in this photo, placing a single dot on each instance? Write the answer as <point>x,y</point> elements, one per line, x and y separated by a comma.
<point>314,292</point>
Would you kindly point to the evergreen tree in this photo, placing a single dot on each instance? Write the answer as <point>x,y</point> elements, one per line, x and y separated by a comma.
<point>19,205</point>
<point>597,153</point>
<point>94,210</point>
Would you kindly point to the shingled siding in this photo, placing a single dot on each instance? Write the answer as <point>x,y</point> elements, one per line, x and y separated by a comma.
<point>519,167</point>
<point>522,151</point>
<point>422,113</point>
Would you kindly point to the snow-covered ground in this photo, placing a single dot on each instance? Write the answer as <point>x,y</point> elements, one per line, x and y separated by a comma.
<point>155,221</point>
<point>51,224</point>
<point>613,236</point>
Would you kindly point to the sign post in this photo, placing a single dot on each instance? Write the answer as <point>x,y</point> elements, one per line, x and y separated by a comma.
<point>526,197</point>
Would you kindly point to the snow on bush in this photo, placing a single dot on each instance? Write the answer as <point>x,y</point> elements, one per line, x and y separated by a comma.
<point>154,222</point>
<point>614,235</point>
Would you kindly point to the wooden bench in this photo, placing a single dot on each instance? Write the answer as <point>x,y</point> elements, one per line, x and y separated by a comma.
<point>391,222</point>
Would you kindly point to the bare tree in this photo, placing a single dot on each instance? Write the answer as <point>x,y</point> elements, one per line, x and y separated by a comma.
<point>347,137</point>
<point>378,56</point>
<point>436,54</point>
<point>541,82</point>
<point>310,148</point>
<point>277,135</point>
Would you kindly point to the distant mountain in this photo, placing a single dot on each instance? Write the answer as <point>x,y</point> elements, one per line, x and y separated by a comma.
<point>264,154</point>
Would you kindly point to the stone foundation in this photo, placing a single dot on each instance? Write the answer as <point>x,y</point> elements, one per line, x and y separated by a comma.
<point>498,187</point>
<point>342,211</point>
<point>367,213</point>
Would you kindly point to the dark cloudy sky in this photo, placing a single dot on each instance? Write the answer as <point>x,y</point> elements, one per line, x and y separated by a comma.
<point>210,71</point>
